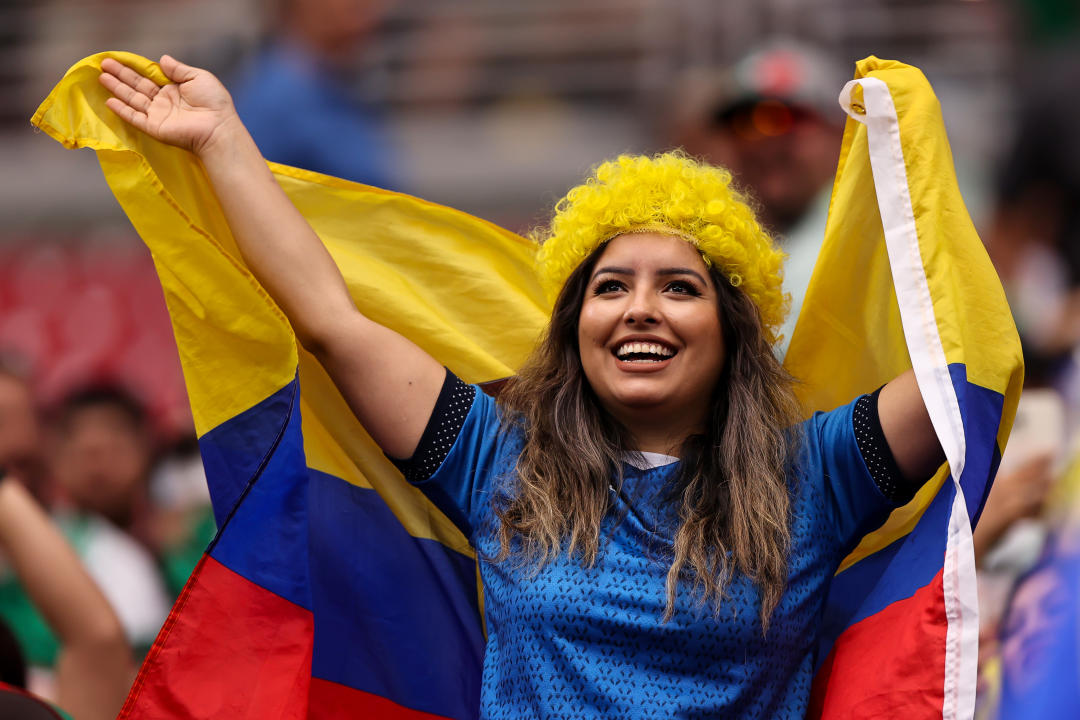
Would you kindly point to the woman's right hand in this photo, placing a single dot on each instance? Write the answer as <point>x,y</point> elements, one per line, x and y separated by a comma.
<point>390,383</point>
<point>191,112</point>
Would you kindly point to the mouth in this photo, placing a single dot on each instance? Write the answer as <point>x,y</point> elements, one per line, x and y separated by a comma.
<point>643,352</point>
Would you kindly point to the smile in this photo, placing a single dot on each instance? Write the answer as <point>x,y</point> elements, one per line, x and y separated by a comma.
<point>643,352</point>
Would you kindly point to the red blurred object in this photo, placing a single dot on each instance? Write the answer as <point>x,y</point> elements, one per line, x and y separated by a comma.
<point>90,313</point>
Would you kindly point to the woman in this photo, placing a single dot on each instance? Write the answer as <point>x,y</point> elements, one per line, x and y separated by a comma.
<point>655,536</point>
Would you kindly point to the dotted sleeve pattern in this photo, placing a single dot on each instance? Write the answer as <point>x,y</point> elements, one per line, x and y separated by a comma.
<point>876,453</point>
<point>446,421</point>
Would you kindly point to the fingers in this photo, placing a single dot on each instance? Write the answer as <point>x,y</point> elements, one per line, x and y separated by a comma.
<point>125,92</point>
<point>132,92</point>
<point>175,70</point>
<point>129,77</point>
<point>135,118</point>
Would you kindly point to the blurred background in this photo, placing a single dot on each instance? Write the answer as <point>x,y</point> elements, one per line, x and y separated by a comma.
<point>497,108</point>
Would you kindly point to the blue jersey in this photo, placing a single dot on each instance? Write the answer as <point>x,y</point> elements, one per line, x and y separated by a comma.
<point>569,641</point>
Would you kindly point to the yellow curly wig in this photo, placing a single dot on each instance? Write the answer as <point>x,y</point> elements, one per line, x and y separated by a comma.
<point>669,193</point>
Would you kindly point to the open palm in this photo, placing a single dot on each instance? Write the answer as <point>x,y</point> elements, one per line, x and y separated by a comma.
<point>185,113</point>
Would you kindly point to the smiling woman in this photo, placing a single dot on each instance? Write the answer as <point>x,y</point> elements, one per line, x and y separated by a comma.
<point>710,393</point>
<point>655,529</point>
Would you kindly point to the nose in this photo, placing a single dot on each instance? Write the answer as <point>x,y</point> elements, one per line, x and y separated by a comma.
<point>641,310</point>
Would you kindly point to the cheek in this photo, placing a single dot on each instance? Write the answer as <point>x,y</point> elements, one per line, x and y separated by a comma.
<point>592,326</point>
<point>593,332</point>
<point>713,353</point>
<point>703,325</point>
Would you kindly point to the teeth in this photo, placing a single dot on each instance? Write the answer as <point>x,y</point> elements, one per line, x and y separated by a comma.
<point>643,348</point>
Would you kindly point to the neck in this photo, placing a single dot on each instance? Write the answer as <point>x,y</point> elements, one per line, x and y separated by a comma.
<point>660,434</point>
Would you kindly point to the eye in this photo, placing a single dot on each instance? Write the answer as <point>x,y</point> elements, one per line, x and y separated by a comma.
<point>683,287</point>
<point>606,286</point>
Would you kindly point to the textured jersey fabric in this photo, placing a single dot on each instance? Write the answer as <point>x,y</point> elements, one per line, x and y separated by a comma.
<point>567,641</point>
<point>447,417</point>
<point>876,452</point>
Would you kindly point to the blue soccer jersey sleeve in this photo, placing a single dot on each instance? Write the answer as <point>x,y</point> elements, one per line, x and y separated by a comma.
<point>456,456</point>
<point>854,502</point>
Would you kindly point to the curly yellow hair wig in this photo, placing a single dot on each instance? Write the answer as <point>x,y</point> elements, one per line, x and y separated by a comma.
<point>668,193</point>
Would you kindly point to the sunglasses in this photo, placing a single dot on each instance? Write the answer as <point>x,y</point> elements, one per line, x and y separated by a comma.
<point>758,118</point>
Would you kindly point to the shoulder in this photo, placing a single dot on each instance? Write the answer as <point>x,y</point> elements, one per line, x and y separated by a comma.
<point>822,440</point>
<point>836,484</point>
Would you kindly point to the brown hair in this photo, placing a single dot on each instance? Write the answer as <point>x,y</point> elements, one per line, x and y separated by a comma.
<point>731,490</point>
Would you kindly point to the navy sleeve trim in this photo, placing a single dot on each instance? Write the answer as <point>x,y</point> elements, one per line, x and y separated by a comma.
<point>443,427</point>
<point>876,453</point>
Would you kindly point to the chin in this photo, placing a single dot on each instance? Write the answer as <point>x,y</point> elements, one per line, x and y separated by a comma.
<point>640,400</point>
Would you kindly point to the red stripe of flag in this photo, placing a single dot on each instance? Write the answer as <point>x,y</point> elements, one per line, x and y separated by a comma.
<point>258,644</point>
<point>333,701</point>
<point>891,664</point>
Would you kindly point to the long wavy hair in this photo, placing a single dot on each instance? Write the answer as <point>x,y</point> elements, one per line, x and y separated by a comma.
<point>731,490</point>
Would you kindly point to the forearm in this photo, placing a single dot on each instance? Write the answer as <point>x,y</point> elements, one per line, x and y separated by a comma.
<point>277,243</point>
<point>92,681</point>
<point>986,534</point>
<point>52,574</point>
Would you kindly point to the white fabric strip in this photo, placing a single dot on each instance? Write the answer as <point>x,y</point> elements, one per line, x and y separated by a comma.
<point>648,460</point>
<point>927,356</point>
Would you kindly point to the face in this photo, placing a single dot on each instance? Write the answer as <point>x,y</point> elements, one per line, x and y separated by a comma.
<point>784,155</point>
<point>19,431</point>
<point>101,461</point>
<point>336,27</point>
<point>650,333</point>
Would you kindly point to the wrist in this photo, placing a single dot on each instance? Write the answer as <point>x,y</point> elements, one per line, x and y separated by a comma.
<point>226,138</point>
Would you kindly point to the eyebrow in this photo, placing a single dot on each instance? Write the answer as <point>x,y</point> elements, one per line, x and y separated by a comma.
<point>614,270</point>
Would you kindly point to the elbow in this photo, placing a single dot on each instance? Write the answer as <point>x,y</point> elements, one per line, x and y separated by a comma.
<point>312,340</point>
<point>320,336</point>
<point>105,635</point>
<point>332,334</point>
<point>312,330</point>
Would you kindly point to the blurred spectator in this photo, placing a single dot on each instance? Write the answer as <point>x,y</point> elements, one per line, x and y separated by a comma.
<point>94,668</point>
<point>103,455</point>
<point>1040,644</point>
<point>12,662</point>
<point>1019,494</point>
<point>1034,238</point>
<point>295,95</point>
<point>17,704</point>
<point>774,121</point>
<point>1014,522</point>
<point>183,517</point>
<point>1029,582</point>
<point>101,464</point>
<point>1008,540</point>
<point>20,429</point>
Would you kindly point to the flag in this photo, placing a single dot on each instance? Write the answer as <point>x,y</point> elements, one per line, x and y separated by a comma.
<point>335,590</point>
<point>903,281</point>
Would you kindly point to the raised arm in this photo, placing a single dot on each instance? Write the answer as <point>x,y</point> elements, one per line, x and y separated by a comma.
<point>907,428</point>
<point>390,383</point>
<point>94,668</point>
